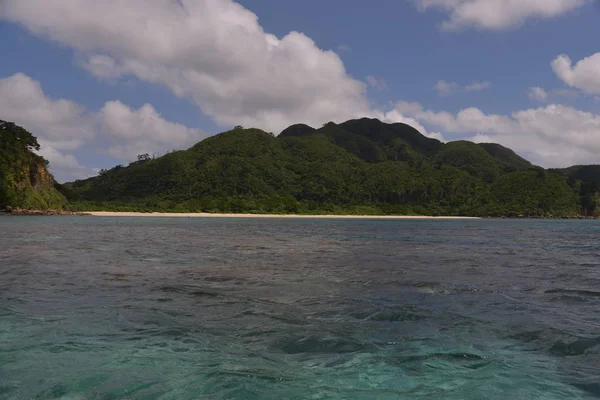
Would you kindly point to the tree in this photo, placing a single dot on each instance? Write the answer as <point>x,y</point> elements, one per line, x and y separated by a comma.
<point>24,180</point>
<point>376,168</point>
<point>143,157</point>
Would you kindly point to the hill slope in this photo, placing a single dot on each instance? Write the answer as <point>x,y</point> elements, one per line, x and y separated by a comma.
<point>589,188</point>
<point>24,179</point>
<point>511,161</point>
<point>360,166</point>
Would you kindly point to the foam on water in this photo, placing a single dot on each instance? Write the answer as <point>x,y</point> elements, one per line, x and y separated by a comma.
<point>133,308</point>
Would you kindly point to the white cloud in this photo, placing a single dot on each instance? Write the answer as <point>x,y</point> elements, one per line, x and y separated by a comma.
<point>377,83</point>
<point>60,125</point>
<point>444,88</point>
<point>211,51</point>
<point>543,96</point>
<point>554,135</point>
<point>143,131</point>
<point>584,75</point>
<point>408,108</point>
<point>402,113</point>
<point>537,94</point>
<point>64,167</point>
<point>497,14</point>
<point>478,86</point>
<point>566,93</point>
<point>63,124</point>
<point>215,53</point>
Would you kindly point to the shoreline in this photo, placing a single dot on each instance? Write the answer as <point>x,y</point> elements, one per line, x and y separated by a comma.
<point>23,212</point>
<point>288,216</point>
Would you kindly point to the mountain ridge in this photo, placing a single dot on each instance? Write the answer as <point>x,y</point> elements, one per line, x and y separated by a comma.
<point>358,166</point>
<point>361,166</point>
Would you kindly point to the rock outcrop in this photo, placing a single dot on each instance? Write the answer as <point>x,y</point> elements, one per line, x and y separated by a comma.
<point>25,182</point>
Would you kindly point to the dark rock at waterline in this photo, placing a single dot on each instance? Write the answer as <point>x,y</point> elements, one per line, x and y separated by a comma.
<point>22,211</point>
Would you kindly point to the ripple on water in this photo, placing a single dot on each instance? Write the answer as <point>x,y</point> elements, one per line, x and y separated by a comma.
<point>100,308</point>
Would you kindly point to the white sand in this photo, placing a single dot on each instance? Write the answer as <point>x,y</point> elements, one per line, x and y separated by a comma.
<point>210,215</point>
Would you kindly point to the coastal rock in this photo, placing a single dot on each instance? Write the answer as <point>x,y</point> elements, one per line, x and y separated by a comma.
<point>21,211</point>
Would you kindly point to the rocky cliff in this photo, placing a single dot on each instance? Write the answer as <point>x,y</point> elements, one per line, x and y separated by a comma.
<point>24,178</point>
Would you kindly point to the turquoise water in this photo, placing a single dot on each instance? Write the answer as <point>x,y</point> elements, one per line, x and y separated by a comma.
<point>154,308</point>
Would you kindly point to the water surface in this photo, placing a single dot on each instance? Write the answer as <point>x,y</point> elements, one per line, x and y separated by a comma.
<point>161,308</point>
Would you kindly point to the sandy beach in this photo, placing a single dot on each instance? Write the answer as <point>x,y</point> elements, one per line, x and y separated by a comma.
<point>211,215</point>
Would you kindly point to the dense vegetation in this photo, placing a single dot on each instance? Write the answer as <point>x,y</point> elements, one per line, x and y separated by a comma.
<point>361,166</point>
<point>24,179</point>
<point>589,188</point>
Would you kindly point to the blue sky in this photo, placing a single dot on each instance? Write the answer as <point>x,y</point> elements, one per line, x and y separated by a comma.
<point>100,82</point>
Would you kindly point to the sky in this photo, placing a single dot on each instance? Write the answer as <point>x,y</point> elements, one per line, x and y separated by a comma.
<point>99,82</point>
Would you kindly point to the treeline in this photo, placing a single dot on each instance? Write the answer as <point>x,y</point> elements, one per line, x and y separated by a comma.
<point>358,167</point>
<point>588,177</point>
<point>361,166</point>
<point>24,179</point>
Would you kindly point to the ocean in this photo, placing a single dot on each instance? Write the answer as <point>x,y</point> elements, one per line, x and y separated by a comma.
<point>227,308</point>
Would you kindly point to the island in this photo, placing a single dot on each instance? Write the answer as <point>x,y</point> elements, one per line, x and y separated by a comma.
<point>362,167</point>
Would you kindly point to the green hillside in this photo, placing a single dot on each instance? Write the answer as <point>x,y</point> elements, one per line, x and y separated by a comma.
<point>392,136</point>
<point>589,188</point>
<point>24,180</point>
<point>361,166</point>
<point>297,130</point>
<point>471,158</point>
<point>511,161</point>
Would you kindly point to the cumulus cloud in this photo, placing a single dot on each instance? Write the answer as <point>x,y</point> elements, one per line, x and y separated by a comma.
<point>584,75</point>
<point>444,88</point>
<point>554,135</point>
<point>215,53</point>
<point>63,124</point>
<point>64,167</point>
<point>537,94</point>
<point>402,112</point>
<point>543,96</point>
<point>143,130</point>
<point>211,51</point>
<point>497,14</point>
<point>60,125</point>
<point>478,86</point>
<point>377,83</point>
<point>408,107</point>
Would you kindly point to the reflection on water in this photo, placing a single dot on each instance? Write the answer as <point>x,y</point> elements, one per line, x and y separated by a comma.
<point>136,308</point>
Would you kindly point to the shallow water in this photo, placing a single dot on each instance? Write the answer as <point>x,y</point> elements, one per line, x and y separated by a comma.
<point>161,308</point>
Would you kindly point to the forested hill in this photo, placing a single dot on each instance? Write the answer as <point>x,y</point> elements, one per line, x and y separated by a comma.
<point>361,166</point>
<point>589,178</point>
<point>24,179</point>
